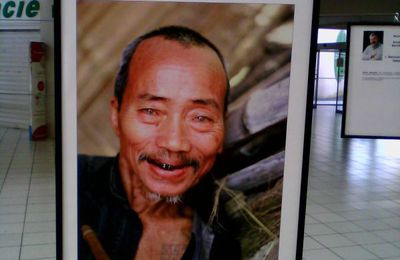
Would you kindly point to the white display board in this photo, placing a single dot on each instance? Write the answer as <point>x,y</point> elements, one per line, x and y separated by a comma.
<point>300,51</point>
<point>372,90</point>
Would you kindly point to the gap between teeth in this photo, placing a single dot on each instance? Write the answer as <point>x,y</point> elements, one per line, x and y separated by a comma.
<point>167,166</point>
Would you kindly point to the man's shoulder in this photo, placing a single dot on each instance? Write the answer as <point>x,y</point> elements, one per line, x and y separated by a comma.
<point>94,167</point>
<point>94,185</point>
<point>89,163</point>
<point>369,47</point>
<point>95,174</point>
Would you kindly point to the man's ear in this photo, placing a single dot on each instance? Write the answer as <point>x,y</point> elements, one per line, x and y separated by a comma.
<point>114,115</point>
<point>220,149</point>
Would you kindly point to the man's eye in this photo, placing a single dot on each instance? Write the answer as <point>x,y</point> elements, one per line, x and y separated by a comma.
<point>202,119</point>
<point>149,115</point>
<point>148,111</point>
<point>203,123</point>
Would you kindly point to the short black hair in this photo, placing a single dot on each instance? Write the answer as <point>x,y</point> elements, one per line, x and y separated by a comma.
<point>183,35</point>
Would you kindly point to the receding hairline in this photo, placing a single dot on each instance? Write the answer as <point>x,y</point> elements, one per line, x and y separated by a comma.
<point>184,44</point>
<point>143,59</point>
<point>373,35</point>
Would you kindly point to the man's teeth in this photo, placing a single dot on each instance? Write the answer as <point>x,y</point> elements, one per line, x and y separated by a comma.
<point>167,167</point>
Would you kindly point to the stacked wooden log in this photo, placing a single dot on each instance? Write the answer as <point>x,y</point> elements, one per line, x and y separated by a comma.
<point>254,148</point>
<point>255,152</point>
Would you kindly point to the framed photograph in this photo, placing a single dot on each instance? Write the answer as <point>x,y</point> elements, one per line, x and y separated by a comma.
<point>186,121</point>
<point>372,81</point>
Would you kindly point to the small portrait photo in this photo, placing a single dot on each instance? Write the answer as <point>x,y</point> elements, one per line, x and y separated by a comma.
<point>372,45</point>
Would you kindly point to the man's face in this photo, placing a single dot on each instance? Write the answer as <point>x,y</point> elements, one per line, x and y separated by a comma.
<point>373,39</point>
<point>171,120</point>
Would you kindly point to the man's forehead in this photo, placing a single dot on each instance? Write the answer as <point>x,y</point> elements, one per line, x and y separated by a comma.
<point>157,54</point>
<point>159,48</point>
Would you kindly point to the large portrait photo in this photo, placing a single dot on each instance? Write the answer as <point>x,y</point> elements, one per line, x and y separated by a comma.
<point>182,115</point>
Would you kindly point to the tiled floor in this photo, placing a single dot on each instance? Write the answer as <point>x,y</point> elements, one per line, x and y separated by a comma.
<point>27,197</point>
<point>353,206</point>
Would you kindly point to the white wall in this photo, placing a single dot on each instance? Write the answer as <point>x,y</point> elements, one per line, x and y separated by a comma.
<point>45,23</point>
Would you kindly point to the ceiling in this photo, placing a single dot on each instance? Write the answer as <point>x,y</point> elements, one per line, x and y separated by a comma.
<point>337,13</point>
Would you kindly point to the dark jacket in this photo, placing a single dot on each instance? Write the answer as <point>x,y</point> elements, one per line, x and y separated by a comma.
<point>102,204</point>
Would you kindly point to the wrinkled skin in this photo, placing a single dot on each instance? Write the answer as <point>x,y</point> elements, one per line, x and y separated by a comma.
<point>171,127</point>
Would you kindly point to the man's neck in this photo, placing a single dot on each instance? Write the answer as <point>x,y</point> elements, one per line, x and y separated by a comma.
<point>166,226</point>
<point>376,45</point>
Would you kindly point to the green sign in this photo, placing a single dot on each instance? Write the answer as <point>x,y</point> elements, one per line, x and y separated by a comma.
<point>340,60</point>
<point>19,9</point>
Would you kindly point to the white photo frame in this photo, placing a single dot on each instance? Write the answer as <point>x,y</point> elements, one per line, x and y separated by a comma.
<point>371,82</point>
<point>294,144</point>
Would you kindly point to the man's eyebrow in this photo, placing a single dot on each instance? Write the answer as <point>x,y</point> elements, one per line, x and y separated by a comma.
<point>151,97</point>
<point>200,101</point>
<point>207,102</point>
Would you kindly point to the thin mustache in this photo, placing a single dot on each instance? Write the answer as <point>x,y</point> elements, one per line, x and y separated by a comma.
<point>184,160</point>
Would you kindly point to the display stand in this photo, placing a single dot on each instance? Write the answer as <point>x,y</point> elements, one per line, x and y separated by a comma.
<point>372,92</point>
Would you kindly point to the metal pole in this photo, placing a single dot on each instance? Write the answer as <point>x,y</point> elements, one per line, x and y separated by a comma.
<point>316,81</point>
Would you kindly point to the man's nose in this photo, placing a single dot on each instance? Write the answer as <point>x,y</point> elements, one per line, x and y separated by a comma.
<point>173,136</point>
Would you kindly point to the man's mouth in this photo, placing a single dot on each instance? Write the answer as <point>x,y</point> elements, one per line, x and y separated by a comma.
<point>166,166</point>
<point>183,162</point>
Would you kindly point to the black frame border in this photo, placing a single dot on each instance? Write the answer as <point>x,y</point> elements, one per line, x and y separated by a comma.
<point>307,130</point>
<point>58,126</point>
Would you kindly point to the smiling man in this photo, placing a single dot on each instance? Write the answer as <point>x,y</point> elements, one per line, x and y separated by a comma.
<point>152,200</point>
<point>374,50</point>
